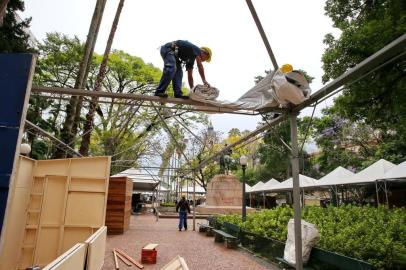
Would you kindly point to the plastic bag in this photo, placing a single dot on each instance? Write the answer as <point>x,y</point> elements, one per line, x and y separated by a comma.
<point>290,88</point>
<point>310,235</point>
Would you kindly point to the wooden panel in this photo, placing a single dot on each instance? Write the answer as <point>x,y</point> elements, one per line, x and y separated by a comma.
<point>33,218</point>
<point>129,188</point>
<point>85,209</point>
<point>35,203</point>
<point>53,205</point>
<point>56,219</point>
<point>26,258</point>
<point>47,246</point>
<point>96,249</point>
<point>73,259</point>
<point>24,173</point>
<point>150,247</point>
<point>177,263</point>
<point>38,186</point>
<point>95,167</point>
<point>14,224</point>
<point>52,167</point>
<point>89,185</point>
<point>75,235</point>
<point>29,238</point>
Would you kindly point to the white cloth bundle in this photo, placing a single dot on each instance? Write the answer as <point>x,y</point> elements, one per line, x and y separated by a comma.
<point>204,92</point>
<point>310,235</point>
<point>275,90</point>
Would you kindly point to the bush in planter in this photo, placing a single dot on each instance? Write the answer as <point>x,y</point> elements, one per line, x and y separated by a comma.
<point>375,235</point>
<point>168,204</point>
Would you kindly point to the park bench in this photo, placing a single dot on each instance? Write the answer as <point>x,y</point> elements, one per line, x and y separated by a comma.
<point>229,240</point>
<point>229,235</point>
<point>320,258</point>
<point>205,228</point>
<point>232,229</point>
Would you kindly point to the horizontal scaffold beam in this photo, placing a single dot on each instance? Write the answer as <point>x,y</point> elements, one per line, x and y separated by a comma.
<point>29,125</point>
<point>198,105</point>
<point>391,50</point>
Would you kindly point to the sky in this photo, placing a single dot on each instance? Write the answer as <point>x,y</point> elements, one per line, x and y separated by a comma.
<point>295,30</point>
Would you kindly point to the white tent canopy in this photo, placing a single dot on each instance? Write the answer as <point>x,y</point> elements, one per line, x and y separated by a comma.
<point>257,187</point>
<point>248,188</point>
<point>397,172</point>
<point>198,189</point>
<point>142,180</point>
<point>163,189</point>
<point>270,184</point>
<point>370,174</point>
<point>335,177</point>
<point>304,181</point>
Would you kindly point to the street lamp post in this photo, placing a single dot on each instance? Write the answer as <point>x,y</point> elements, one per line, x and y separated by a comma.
<point>243,163</point>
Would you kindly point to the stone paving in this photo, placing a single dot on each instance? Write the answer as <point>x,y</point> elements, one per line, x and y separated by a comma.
<point>198,250</point>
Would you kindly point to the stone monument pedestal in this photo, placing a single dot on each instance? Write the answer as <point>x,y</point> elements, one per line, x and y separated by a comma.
<point>224,196</point>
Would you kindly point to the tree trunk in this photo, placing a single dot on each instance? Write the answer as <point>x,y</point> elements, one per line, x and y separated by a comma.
<point>84,147</point>
<point>3,8</point>
<point>67,132</point>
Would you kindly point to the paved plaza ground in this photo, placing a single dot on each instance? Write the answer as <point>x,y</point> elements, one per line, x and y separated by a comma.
<point>198,250</point>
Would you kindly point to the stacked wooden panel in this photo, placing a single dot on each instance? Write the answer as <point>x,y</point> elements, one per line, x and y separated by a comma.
<point>119,205</point>
<point>67,204</point>
<point>15,221</point>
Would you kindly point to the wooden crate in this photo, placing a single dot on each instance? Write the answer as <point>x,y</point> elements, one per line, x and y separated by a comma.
<point>118,211</point>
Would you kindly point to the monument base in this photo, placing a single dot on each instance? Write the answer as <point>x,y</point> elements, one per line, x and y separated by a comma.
<point>221,209</point>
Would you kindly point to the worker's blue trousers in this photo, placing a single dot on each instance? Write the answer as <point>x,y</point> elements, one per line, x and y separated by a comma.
<point>172,71</point>
<point>182,219</point>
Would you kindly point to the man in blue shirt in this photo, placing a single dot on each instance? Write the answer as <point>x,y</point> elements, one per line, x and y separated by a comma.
<point>174,55</point>
<point>183,208</point>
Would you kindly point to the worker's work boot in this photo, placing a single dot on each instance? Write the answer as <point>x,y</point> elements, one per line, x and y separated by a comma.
<point>162,95</point>
<point>182,97</point>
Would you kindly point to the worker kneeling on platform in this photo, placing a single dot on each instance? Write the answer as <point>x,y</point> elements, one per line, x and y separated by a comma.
<point>178,53</point>
<point>183,208</point>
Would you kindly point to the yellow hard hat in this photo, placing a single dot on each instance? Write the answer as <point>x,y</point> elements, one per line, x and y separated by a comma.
<point>208,51</point>
<point>286,68</point>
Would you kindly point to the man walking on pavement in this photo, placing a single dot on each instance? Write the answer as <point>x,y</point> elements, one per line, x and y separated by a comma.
<point>174,55</point>
<point>182,207</point>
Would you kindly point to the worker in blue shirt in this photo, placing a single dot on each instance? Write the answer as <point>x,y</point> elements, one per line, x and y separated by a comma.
<point>174,55</point>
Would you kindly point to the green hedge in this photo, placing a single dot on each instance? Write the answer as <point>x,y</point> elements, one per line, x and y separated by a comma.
<point>375,235</point>
<point>168,204</point>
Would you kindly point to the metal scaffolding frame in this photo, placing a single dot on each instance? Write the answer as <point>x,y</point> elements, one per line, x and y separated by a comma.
<point>32,127</point>
<point>368,65</point>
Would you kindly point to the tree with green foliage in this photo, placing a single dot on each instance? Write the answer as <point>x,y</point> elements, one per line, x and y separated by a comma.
<point>13,32</point>
<point>378,99</point>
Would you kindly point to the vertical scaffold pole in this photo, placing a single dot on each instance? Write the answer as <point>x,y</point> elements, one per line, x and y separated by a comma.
<point>262,33</point>
<point>296,191</point>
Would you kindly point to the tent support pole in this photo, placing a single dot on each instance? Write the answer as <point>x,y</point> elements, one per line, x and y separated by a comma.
<point>386,193</point>
<point>296,191</point>
<point>194,204</point>
<point>377,193</point>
